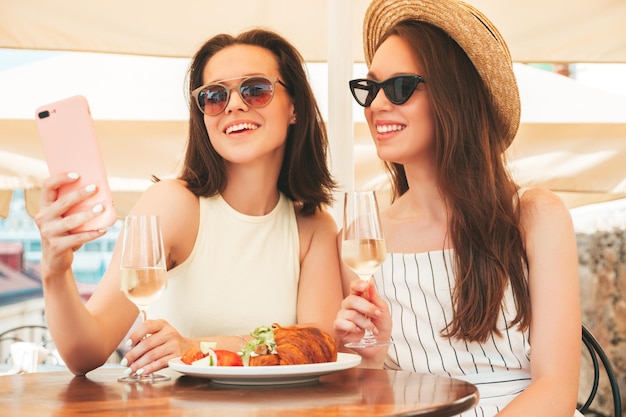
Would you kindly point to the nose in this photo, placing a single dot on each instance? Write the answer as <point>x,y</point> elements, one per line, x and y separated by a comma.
<point>380,101</point>
<point>235,102</point>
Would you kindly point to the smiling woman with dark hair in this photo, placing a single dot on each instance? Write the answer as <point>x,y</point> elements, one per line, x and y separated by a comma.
<point>247,237</point>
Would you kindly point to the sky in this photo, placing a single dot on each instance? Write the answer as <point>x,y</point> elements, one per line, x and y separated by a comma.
<point>11,58</point>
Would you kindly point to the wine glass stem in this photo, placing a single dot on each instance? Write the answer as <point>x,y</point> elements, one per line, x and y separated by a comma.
<point>367,291</point>
<point>368,338</point>
<point>144,314</point>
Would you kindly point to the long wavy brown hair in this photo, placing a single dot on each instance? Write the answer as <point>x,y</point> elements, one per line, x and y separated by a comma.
<point>304,176</point>
<point>481,197</point>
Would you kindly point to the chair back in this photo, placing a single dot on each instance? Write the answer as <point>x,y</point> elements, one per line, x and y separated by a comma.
<point>32,335</point>
<point>599,361</point>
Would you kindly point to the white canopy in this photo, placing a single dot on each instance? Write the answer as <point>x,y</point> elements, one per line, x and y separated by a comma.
<point>571,137</point>
<point>536,30</point>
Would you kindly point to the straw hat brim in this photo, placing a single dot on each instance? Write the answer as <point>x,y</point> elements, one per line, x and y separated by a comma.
<point>475,34</point>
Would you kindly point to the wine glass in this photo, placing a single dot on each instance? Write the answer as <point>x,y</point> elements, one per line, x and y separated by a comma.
<point>144,273</point>
<point>363,246</point>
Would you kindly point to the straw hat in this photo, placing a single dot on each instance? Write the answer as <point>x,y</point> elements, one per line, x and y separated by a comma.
<point>478,37</point>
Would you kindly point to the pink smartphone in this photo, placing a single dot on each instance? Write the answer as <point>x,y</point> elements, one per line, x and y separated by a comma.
<point>70,144</point>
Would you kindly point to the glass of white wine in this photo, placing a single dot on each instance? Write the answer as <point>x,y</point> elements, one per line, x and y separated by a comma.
<point>144,272</point>
<point>363,246</point>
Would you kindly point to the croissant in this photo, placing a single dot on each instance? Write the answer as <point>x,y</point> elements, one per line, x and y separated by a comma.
<point>297,345</point>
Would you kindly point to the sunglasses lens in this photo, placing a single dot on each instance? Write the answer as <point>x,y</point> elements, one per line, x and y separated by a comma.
<point>257,92</point>
<point>363,91</point>
<point>399,89</point>
<point>213,99</point>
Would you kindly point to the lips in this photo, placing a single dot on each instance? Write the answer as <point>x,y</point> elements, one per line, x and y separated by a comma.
<point>240,127</point>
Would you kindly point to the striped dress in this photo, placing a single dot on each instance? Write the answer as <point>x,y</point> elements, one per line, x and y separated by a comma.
<point>417,287</point>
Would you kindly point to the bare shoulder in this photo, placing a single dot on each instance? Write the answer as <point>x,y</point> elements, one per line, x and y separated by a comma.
<point>180,216</point>
<point>169,188</point>
<point>541,209</point>
<point>315,231</point>
<point>320,222</point>
<point>162,195</point>
<point>535,201</point>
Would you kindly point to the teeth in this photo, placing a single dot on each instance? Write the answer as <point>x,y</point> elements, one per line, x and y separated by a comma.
<point>389,128</point>
<point>240,127</point>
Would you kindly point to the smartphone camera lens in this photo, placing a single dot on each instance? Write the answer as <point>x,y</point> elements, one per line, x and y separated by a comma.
<point>43,114</point>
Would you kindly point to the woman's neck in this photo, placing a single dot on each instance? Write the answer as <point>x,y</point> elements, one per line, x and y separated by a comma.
<point>418,220</point>
<point>251,190</point>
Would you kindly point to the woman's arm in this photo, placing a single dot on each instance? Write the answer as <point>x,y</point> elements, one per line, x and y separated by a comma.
<point>555,332</point>
<point>87,334</point>
<point>319,290</point>
<point>76,331</point>
<point>178,210</point>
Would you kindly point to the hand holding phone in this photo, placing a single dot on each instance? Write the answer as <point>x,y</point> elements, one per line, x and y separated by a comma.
<point>70,144</point>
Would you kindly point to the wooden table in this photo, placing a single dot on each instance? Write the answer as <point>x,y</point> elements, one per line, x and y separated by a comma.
<point>354,392</point>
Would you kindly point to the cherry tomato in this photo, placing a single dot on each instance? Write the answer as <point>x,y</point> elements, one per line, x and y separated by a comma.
<point>228,358</point>
<point>192,354</point>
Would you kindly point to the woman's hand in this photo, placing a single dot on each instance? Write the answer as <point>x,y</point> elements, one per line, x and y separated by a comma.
<point>154,343</point>
<point>57,243</point>
<point>362,309</point>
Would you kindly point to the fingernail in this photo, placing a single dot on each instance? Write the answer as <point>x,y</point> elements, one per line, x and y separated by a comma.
<point>378,313</point>
<point>90,188</point>
<point>127,371</point>
<point>73,175</point>
<point>124,362</point>
<point>98,208</point>
<point>140,371</point>
<point>128,343</point>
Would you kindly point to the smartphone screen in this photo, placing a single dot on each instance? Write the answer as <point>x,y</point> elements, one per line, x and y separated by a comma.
<point>70,144</point>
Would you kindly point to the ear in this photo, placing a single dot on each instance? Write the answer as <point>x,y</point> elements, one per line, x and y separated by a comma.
<point>292,119</point>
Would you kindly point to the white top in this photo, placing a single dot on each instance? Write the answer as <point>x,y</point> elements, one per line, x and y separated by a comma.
<point>242,273</point>
<point>417,287</point>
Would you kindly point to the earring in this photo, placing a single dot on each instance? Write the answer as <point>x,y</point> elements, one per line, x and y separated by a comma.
<point>293,118</point>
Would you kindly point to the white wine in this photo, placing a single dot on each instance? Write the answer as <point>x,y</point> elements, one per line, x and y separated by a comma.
<point>143,286</point>
<point>363,256</point>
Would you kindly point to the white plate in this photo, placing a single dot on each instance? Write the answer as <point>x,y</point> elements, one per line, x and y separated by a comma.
<point>267,375</point>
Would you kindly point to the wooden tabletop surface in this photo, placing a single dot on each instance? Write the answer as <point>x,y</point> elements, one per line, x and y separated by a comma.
<point>354,392</point>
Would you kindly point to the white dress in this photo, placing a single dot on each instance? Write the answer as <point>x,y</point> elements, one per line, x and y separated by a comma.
<point>243,272</point>
<point>417,287</point>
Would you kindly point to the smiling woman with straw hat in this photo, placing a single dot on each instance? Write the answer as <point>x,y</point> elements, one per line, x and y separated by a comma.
<point>481,279</point>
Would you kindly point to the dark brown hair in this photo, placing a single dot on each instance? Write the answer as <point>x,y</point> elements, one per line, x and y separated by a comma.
<point>304,176</point>
<point>484,227</point>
